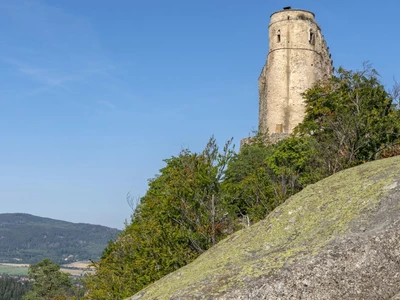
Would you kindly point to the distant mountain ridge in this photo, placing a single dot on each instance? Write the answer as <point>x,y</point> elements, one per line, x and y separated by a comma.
<point>26,238</point>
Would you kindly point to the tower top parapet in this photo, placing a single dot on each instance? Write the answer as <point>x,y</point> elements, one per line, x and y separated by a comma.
<point>288,8</point>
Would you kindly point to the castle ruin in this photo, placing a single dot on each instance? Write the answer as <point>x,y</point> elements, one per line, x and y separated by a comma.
<point>298,57</point>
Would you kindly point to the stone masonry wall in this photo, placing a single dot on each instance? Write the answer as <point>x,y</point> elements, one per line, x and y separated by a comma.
<point>298,57</point>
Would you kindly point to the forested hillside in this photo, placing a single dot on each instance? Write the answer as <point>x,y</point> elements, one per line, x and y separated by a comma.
<point>13,288</point>
<point>26,238</point>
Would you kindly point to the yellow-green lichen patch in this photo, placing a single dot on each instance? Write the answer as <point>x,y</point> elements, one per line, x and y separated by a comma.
<point>300,227</point>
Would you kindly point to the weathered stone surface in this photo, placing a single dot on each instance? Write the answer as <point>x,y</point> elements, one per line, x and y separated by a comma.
<point>298,57</point>
<point>337,239</point>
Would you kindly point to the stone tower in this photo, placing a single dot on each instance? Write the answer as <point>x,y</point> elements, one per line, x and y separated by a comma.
<point>297,58</point>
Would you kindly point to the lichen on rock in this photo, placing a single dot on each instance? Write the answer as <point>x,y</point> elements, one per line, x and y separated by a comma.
<point>336,239</point>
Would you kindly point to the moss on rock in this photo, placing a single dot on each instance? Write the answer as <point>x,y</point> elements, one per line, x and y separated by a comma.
<point>298,230</point>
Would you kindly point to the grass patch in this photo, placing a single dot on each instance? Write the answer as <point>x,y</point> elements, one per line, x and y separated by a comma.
<point>14,270</point>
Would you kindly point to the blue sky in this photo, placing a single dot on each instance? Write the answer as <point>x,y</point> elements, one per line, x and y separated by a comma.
<point>95,94</point>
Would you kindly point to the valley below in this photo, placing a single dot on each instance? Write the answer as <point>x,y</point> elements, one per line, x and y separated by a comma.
<point>76,269</point>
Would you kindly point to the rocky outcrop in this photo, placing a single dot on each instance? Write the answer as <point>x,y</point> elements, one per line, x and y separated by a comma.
<point>337,239</point>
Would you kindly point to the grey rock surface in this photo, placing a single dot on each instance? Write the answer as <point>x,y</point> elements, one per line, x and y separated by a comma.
<point>337,239</point>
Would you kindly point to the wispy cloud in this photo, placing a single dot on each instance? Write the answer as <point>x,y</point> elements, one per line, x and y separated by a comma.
<point>50,50</point>
<point>41,75</point>
<point>50,47</point>
<point>107,104</point>
<point>178,110</point>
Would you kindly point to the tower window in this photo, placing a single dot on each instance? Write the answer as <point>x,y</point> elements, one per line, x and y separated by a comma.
<point>311,37</point>
<point>278,36</point>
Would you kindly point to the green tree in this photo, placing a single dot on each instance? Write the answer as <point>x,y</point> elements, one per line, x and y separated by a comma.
<point>352,117</point>
<point>293,164</point>
<point>263,175</point>
<point>180,217</point>
<point>248,192</point>
<point>13,288</point>
<point>49,281</point>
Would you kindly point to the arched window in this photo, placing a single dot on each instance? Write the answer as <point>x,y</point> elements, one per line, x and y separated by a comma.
<point>278,36</point>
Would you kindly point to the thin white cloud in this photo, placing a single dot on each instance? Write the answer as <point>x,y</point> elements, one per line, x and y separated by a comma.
<point>178,110</point>
<point>45,78</point>
<point>107,104</point>
<point>58,51</point>
<point>62,47</point>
